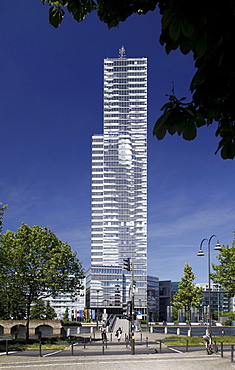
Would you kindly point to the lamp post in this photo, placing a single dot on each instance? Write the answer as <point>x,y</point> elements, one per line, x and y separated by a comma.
<point>132,310</point>
<point>201,253</point>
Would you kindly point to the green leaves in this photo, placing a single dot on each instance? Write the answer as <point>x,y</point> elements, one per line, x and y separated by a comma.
<point>226,131</point>
<point>79,9</point>
<point>189,131</point>
<point>34,263</point>
<point>179,118</point>
<point>56,15</point>
<point>225,272</point>
<point>2,209</point>
<point>42,310</point>
<point>188,294</point>
<point>208,32</point>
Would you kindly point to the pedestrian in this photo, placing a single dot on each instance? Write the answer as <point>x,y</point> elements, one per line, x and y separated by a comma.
<point>103,334</point>
<point>119,334</point>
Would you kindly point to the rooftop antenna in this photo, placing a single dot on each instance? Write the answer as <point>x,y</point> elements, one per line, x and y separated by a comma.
<point>122,52</point>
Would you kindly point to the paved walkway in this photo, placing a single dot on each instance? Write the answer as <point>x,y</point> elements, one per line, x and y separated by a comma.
<point>159,361</point>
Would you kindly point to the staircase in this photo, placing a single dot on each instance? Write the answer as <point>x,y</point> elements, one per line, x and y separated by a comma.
<point>121,323</point>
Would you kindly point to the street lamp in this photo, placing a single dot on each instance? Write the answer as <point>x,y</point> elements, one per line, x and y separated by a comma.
<point>201,253</point>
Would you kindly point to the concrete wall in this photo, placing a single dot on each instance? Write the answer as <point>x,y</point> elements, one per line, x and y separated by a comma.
<point>47,327</point>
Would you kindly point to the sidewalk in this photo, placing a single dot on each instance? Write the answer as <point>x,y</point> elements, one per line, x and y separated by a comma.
<point>84,358</point>
<point>117,357</point>
<point>173,361</point>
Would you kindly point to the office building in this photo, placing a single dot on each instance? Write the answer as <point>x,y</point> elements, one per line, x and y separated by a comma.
<point>153,298</point>
<point>219,300</point>
<point>119,188</point>
<point>75,305</point>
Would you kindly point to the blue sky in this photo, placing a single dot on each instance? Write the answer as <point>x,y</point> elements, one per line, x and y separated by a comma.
<point>51,105</point>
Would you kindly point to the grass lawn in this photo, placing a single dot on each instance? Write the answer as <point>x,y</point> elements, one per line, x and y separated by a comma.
<point>22,345</point>
<point>196,341</point>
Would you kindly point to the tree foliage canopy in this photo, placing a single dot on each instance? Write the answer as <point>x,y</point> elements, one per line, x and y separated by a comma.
<point>225,272</point>
<point>2,209</point>
<point>42,310</point>
<point>188,295</point>
<point>34,264</point>
<point>205,28</point>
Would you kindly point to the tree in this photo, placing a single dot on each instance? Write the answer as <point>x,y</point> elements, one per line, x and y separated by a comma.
<point>66,316</point>
<point>42,310</point>
<point>188,295</point>
<point>204,28</point>
<point>50,312</point>
<point>225,272</point>
<point>35,264</point>
<point>2,209</point>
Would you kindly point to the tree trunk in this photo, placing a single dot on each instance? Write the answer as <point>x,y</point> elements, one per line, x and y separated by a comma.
<point>27,319</point>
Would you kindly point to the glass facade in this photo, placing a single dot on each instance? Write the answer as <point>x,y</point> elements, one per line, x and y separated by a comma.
<point>219,300</point>
<point>119,180</point>
<point>153,298</point>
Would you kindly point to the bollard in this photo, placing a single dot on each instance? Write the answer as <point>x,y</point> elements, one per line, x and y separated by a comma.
<point>133,345</point>
<point>6,346</point>
<point>178,331</point>
<point>90,340</point>
<point>103,348</point>
<point>232,349</point>
<point>72,348</point>
<point>84,342</point>
<point>222,349</point>
<point>110,337</point>
<point>146,341</point>
<point>160,346</point>
<point>40,348</point>
<point>165,330</point>
<point>141,337</point>
<point>187,345</point>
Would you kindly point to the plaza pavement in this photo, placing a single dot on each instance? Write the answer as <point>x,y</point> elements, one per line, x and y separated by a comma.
<point>152,361</point>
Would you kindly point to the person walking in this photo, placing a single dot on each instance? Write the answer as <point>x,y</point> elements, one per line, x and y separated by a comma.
<point>119,334</point>
<point>103,334</point>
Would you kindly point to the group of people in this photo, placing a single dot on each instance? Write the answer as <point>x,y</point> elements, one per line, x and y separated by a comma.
<point>118,334</point>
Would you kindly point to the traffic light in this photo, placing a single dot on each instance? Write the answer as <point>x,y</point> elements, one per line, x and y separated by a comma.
<point>127,264</point>
<point>126,307</point>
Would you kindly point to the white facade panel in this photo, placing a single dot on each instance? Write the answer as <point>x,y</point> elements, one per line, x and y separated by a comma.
<point>119,171</point>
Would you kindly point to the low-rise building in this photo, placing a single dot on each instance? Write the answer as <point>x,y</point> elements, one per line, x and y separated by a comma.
<point>75,306</point>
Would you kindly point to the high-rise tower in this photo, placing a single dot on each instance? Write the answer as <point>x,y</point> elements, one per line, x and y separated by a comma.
<point>119,187</point>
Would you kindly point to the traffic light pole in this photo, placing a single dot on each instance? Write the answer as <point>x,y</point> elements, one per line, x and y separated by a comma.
<point>132,311</point>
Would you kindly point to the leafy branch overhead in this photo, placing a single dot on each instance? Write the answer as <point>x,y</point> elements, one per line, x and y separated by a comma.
<point>207,30</point>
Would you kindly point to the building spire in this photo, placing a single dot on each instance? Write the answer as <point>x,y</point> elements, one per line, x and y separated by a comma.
<point>122,52</point>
